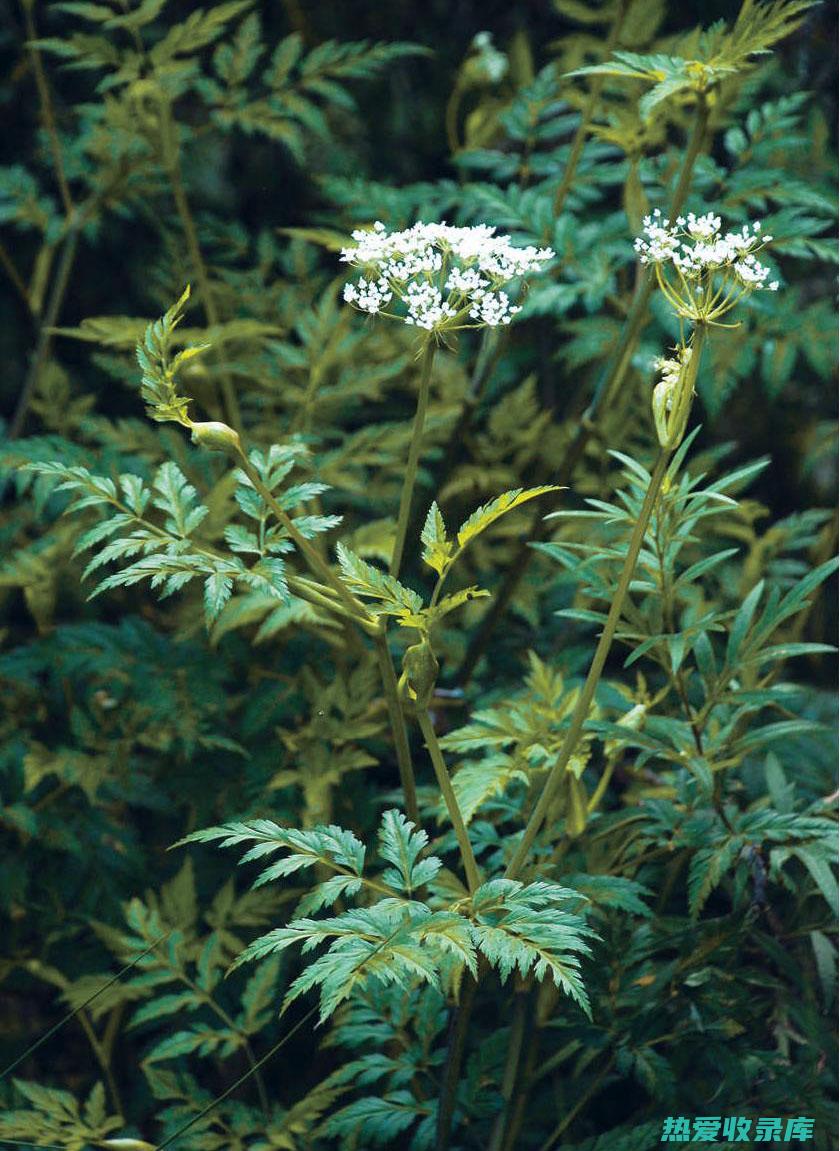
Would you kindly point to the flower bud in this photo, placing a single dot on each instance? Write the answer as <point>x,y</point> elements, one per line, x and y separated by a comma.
<point>216,436</point>
<point>419,674</point>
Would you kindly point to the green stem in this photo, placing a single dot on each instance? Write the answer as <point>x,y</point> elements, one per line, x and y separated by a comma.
<point>413,457</point>
<point>42,348</point>
<point>602,785</point>
<point>489,353</point>
<point>511,1071</point>
<point>637,315</point>
<point>450,799</point>
<point>588,113</point>
<point>581,712</point>
<point>313,558</point>
<point>453,104</point>
<point>570,1116</point>
<point>172,159</point>
<point>459,1024</point>
<point>47,108</point>
<point>8,264</point>
<point>519,1103</point>
<point>220,1013</point>
<point>352,608</point>
<point>398,728</point>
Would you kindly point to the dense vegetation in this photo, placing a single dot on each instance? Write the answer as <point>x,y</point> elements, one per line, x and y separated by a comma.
<point>556,840</point>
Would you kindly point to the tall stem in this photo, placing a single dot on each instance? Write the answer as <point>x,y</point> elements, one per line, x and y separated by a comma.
<point>47,109</point>
<point>637,315</point>
<point>459,1024</point>
<point>413,456</point>
<point>451,801</point>
<point>581,712</point>
<point>511,1071</point>
<point>50,318</point>
<point>398,728</point>
<point>587,114</point>
<point>571,1115</point>
<point>172,159</point>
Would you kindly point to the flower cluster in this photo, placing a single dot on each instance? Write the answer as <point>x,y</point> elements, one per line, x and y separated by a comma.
<point>439,277</point>
<point>702,271</point>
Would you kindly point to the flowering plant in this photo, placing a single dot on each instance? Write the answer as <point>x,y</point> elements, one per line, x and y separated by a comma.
<point>537,810</point>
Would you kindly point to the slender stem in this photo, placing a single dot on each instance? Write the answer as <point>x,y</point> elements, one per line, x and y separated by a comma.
<point>220,1013</point>
<point>453,105</point>
<point>581,712</point>
<point>313,558</point>
<point>695,147</point>
<point>587,114</point>
<point>459,1023</point>
<point>101,1059</point>
<point>42,348</point>
<point>413,456</point>
<point>350,606</point>
<point>511,1071</point>
<point>570,1116</point>
<point>638,312</point>
<point>519,1103</point>
<point>602,785</point>
<point>172,159</point>
<point>450,799</point>
<point>14,275</point>
<point>490,350</point>
<point>47,109</point>
<point>398,728</point>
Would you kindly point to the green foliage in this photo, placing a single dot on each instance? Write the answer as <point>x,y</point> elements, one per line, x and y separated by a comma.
<point>233,678</point>
<point>400,939</point>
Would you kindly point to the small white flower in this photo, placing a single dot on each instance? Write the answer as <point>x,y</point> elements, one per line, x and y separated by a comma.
<point>443,276</point>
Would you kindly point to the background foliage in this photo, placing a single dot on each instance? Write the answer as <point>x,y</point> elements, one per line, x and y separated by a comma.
<point>234,146</point>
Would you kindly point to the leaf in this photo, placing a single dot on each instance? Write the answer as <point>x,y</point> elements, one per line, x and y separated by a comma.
<point>402,846</point>
<point>527,929</point>
<point>476,783</point>
<point>486,515</point>
<point>217,591</point>
<point>383,1119</point>
<point>708,867</point>
<point>437,550</point>
<point>741,623</point>
<point>165,1005</point>
<point>364,579</point>
<point>822,876</point>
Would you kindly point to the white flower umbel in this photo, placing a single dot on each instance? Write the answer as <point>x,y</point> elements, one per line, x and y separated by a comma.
<point>438,277</point>
<point>703,272</point>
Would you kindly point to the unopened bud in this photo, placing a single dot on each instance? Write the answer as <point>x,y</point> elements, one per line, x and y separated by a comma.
<point>216,436</point>
<point>420,671</point>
